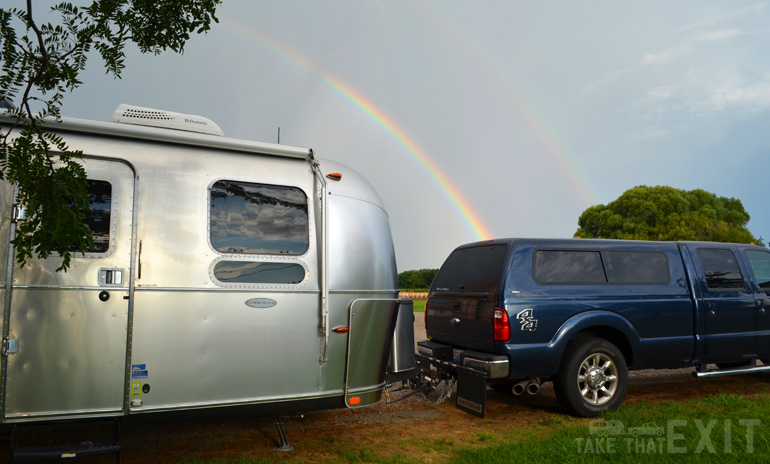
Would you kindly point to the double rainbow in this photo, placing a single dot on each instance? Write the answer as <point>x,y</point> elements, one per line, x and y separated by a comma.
<point>399,135</point>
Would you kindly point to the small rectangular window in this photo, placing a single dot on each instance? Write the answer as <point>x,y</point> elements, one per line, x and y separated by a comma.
<point>259,272</point>
<point>99,218</point>
<point>635,267</point>
<point>721,269</point>
<point>568,267</point>
<point>258,219</point>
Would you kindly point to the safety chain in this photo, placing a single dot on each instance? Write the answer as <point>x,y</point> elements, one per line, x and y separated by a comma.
<point>445,393</point>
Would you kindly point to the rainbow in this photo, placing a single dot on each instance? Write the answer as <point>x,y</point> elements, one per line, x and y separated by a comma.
<point>399,135</point>
<point>564,162</point>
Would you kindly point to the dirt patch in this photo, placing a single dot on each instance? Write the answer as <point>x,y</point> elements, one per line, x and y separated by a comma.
<point>417,431</point>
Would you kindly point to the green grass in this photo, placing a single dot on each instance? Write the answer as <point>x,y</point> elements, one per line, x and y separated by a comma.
<point>717,429</point>
<point>723,428</point>
<point>419,305</point>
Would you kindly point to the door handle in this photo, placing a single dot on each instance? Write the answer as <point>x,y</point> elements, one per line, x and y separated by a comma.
<point>111,277</point>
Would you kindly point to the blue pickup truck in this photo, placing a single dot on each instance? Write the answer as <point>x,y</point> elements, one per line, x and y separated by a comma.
<point>514,313</point>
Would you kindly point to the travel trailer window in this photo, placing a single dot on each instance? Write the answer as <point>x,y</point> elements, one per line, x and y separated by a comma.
<point>259,272</point>
<point>253,218</point>
<point>721,269</point>
<point>99,218</point>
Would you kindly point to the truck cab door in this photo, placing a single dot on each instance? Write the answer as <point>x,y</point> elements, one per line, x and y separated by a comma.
<point>68,330</point>
<point>759,262</point>
<point>727,307</point>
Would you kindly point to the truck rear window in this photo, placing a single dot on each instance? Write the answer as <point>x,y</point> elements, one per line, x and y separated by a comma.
<point>475,269</point>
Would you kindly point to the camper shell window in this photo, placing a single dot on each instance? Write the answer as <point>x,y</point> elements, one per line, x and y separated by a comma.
<point>568,267</point>
<point>249,218</point>
<point>472,269</point>
<point>594,267</point>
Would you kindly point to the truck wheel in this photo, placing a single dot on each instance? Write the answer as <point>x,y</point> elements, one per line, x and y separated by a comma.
<point>593,377</point>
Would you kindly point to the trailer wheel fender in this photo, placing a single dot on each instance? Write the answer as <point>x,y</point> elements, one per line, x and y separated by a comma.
<point>592,378</point>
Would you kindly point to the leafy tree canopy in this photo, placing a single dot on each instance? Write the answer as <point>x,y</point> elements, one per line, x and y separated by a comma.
<point>41,62</point>
<point>417,279</point>
<point>666,213</point>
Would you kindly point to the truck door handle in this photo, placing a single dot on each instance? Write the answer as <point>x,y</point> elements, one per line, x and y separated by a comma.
<point>710,308</point>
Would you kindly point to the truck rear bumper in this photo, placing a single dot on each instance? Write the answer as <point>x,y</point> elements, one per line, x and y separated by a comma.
<point>494,365</point>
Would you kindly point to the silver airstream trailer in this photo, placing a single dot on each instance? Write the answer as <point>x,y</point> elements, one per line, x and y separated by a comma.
<point>224,272</point>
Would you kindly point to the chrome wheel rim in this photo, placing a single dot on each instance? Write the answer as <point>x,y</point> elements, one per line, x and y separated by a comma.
<point>597,379</point>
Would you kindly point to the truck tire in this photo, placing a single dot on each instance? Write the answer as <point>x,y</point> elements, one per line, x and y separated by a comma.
<point>593,377</point>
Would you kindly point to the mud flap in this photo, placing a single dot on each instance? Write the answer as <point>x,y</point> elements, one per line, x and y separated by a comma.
<point>471,391</point>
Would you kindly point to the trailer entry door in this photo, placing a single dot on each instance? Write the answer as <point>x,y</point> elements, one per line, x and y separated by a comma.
<point>71,327</point>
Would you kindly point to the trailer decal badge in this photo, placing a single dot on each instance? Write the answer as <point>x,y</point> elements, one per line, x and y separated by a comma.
<point>527,320</point>
<point>136,388</point>
<point>261,303</point>
<point>139,371</point>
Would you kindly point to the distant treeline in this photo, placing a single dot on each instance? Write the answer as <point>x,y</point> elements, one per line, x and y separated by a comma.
<point>417,279</point>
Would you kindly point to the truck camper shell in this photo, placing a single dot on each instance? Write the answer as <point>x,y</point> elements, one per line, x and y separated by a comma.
<point>224,273</point>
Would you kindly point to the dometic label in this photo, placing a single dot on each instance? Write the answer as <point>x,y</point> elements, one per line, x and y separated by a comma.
<point>261,303</point>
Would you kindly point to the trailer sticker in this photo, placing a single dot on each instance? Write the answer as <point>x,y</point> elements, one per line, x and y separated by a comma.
<point>136,388</point>
<point>139,371</point>
<point>261,303</point>
<point>527,320</point>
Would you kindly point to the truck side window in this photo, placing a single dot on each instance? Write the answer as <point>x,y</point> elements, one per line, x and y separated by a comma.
<point>635,267</point>
<point>568,267</point>
<point>721,269</point>
<point>253,218</point>
<point>760,264</point>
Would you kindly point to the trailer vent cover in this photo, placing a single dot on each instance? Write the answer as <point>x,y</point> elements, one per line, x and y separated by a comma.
<point>128,114</point>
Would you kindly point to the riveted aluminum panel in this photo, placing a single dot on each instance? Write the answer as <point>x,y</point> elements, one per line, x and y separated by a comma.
<point>173,222</point>
<point>72,342</point>
<point>372,323</point>
<point>360,246</point>
<point>72,351</point>
<point>209,348</point>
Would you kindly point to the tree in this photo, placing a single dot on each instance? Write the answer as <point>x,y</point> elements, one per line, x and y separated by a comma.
<point>40,64</point>
<point>666,213</point>
<point>417,279</point>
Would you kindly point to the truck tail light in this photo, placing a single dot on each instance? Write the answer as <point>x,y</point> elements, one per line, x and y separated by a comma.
<point>425,316</point>
<point>502,327</point>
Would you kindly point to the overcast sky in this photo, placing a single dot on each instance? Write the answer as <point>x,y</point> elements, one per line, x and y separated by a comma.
<point>482,119</point>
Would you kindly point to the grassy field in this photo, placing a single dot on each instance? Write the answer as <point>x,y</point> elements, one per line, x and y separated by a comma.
<point>723,428</point>
<point>716,429</point>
